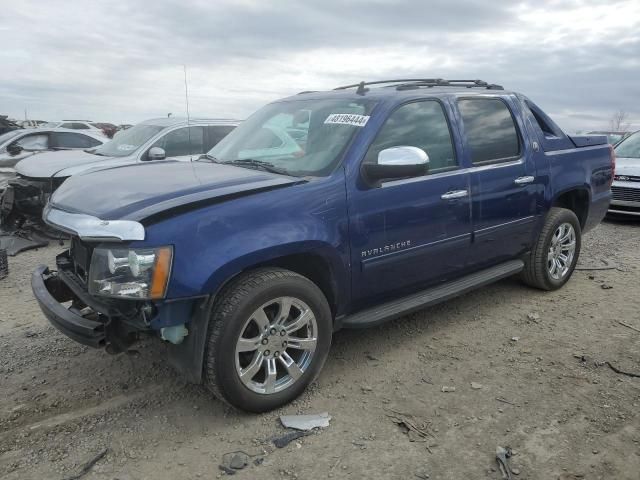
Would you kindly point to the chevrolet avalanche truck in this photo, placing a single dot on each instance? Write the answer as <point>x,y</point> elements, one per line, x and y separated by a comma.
<point>400,194</point>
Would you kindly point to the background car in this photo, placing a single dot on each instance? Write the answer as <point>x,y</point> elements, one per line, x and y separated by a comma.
<point>108,129</point>
<point>626,182</point>
<point>19,144</point>
<point>155,139</point>
<point>612,137</point>
<point>32,123</point>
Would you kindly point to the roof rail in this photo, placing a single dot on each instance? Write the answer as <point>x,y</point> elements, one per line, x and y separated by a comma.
<point>410,83</point>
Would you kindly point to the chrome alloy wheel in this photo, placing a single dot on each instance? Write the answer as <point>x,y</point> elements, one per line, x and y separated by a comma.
<point>277,345</point>
<point>561,251</point>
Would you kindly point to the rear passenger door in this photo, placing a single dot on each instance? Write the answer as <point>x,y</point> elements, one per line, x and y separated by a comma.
<point>69,140</point>
<point>409,233</point>
<point>214,134</point>
<point>503,179</point>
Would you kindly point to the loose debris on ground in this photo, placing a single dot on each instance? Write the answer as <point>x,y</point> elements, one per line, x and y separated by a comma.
<point>61,402</point>
<point>89,465</point>
<point>305,422</point>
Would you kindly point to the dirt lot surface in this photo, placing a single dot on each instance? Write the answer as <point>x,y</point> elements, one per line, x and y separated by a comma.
<point>529,371</point>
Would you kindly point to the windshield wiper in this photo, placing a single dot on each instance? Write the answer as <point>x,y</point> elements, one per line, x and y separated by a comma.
<point>259,164</point>
<point>93,152</point>
<point>206,156</point>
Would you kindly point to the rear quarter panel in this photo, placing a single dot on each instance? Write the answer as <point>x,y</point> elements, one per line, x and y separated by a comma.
<point>587,168</point>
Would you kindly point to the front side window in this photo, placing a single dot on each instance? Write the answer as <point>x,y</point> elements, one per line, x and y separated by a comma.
<point>128,141</point>
<point>418,124</point>
<point>490,129</point>
<point>183,141</point>
<point>629,147</point>
<point>35,142</point>
<point>300,137</point>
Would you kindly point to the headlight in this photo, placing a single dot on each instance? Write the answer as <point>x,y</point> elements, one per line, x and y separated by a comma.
<point>130,273</point>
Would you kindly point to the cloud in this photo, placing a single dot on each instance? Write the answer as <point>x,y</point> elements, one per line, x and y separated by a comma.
<point>122,61</point>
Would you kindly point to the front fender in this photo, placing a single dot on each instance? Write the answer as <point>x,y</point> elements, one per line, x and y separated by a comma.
<point>215,243</point>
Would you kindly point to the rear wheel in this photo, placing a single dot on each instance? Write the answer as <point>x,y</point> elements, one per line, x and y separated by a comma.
<point>269,336</point>
<point>555,254</point>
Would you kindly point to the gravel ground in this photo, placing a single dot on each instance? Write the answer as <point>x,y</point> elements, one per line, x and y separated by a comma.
<point>529,371</point>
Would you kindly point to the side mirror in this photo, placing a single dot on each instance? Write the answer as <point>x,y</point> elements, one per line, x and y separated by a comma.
<point>156,153</point>
<point>397,162</point>
<point>14,149</point>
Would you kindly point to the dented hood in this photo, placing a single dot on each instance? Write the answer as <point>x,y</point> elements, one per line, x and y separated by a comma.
<point>140,191</point>
<point>46,165</point>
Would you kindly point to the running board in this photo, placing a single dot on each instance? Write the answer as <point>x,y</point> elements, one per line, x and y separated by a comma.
<point>417,301</point>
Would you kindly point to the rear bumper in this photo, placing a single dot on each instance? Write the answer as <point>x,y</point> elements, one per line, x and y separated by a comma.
<point>50,292</point>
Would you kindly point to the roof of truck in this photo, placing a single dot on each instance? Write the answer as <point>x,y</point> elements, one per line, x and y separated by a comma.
<point>171,121</point>
<point>393,88</point>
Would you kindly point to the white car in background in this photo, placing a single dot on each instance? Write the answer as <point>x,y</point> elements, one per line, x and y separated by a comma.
<point>16,145</point>
<point>107,129</point>
<point>626,181</point>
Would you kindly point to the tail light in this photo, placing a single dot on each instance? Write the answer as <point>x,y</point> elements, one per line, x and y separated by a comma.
<point>612,155</point>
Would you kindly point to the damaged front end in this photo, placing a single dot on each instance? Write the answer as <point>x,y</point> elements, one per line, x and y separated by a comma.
<point>104,293</point>
<point>24,199</point>
<point>64,299</point>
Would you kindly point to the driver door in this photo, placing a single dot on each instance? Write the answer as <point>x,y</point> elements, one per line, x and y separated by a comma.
<point>407,234</point>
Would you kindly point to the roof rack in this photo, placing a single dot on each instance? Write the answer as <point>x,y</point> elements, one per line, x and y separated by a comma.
<point>411,83</point>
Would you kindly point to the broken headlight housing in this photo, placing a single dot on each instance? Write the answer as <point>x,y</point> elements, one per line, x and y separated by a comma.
<point>138,273</point>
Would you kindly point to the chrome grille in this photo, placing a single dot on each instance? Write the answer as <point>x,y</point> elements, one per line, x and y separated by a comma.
<point>626,194</point>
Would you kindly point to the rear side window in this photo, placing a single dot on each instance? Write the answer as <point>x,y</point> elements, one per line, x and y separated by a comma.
<point>217,133</point>
<point>419,124</point>
<point>72,140</point>
<point>490,129</point>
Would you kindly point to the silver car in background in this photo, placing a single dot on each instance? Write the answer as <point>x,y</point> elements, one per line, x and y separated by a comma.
<point>626,182</point>
<point>152,140</point>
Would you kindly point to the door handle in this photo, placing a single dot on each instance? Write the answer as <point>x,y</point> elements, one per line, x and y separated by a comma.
<point>524,180</point>
<point>454,194</point>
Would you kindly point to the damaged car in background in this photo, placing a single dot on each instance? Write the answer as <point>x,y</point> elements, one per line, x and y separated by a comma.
<point>16,145</point>
<point>156,139</point>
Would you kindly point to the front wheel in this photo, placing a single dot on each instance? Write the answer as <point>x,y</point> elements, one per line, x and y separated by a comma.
<point>269,336</point>
<point>555,254</point>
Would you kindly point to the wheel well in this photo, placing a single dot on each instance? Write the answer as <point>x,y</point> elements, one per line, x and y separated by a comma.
<point>577,201</point>
<point>313,267</point>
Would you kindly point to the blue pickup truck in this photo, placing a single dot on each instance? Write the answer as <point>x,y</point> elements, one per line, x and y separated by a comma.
<point>325,210</point>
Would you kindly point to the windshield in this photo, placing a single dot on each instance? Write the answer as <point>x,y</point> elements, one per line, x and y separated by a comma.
<point>301,137</point>
<point>629,147</point>
<point>7,135</point>
<point>128,141</point>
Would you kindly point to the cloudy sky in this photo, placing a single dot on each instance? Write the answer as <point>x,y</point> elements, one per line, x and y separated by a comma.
<point>121,61</point>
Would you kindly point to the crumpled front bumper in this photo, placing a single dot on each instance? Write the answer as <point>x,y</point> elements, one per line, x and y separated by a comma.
<point>50,292</point>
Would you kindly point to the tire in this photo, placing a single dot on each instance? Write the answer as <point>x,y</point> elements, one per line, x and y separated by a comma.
<point>538,268</point>
<point>236,324</point>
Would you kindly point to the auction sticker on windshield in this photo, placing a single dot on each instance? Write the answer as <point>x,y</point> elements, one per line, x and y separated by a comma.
<point>347,119</point>
<point>126,148</point>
